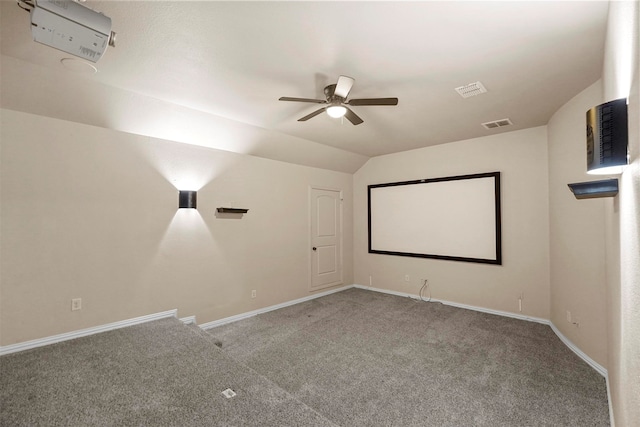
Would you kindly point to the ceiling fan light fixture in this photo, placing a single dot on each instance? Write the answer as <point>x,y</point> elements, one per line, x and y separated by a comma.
<point>336,101</point>
<point>336,111</point>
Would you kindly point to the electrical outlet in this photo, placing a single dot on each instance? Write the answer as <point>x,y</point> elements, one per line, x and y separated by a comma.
<point>253,293</point>
<point>568,316</point>
<point>76,304</point>
<point>407,278</point>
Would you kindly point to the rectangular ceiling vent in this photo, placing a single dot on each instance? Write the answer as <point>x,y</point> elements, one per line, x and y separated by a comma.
<point>497,123</point>
<point>472,89</point>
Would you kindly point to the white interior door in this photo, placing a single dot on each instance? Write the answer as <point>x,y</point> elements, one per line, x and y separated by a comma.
<point>326,238</point>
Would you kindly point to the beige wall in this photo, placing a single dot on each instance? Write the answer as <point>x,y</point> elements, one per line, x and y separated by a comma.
<point>92,213</point>
<point>577,232</point>
<point>621,78</point>
<point>521,157</point>
<point>595,244</point>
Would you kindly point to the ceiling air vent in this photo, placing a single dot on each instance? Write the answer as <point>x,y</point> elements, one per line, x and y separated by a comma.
<point>472,89</point>
<point>497,123</point>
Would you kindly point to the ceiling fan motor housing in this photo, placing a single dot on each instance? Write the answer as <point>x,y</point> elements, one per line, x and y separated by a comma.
<point>332,98</point>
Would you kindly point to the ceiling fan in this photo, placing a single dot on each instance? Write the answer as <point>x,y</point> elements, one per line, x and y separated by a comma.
<point>336,102</point>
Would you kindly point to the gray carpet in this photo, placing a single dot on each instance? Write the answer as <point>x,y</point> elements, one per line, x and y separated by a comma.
<point>362,358</point>
<point>354,358</point>
<point>160,373</point>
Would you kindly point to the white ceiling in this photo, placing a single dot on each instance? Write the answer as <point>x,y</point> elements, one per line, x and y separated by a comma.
<point>229,62</point>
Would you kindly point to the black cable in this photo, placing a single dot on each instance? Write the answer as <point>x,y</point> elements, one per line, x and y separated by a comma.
<point>425,285</point>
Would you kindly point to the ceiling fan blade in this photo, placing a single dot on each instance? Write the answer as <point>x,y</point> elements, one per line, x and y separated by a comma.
<point>374,101</point>
<point>352,117</point>
<point>343,87</point>
<point>309,116</point>
<point>315,101</point>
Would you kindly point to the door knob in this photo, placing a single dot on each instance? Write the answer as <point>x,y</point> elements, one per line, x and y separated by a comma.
<point>315,249</point>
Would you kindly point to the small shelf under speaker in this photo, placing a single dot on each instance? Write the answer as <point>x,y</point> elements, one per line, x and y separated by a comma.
<point>233,210</point>
<point>595,189</point>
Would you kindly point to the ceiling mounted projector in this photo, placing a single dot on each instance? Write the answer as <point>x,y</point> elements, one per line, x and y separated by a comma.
<point>71,27</point>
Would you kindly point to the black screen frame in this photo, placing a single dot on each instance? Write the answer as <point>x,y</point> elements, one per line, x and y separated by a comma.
<point>497,260</point>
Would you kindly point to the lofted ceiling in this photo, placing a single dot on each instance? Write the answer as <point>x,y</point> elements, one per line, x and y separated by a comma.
<point>223,65</point>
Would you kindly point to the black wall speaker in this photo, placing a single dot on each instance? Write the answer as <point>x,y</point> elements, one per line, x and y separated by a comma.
<point>607,137</point>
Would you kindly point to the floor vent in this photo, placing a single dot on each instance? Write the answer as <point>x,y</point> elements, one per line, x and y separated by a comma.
<point>472,89</point>
<point>228,393</point>
<point>497,123</point>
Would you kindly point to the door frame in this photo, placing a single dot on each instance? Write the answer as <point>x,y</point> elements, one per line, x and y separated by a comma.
<point>310,237</point>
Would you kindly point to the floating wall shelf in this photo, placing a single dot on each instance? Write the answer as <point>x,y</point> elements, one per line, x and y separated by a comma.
<point>233,210</point>
<point>595,189</point>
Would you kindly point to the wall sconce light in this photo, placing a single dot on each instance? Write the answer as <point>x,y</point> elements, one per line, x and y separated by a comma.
<point>607,138</point>
<point>187,199</point>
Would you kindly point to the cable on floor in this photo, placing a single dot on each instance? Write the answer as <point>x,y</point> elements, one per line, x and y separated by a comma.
<point>425,286</point>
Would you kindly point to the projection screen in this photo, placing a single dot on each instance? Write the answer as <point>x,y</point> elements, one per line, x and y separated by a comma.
<point>453,218</point>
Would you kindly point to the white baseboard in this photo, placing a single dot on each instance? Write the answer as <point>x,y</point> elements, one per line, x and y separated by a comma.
<point>231,319</point>
<point>465,306</point>
<point>612,421</point>
<point>190,320</point>
<point>595,365</point>
<point>13,348</point>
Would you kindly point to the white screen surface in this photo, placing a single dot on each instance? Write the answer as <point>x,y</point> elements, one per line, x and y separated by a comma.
<point>454,218</point>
